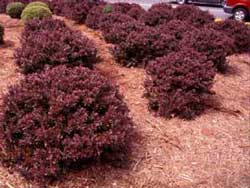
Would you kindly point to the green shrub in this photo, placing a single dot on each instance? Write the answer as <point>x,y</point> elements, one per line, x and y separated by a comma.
<point>1,33</point>
<point>14,10</point>
<point>37,3</point>
<point>35,12</point>
<point>107,9</point>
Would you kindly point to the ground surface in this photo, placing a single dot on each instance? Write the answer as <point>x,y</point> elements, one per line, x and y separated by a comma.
<point>218,12</point>
<point>212,151</point>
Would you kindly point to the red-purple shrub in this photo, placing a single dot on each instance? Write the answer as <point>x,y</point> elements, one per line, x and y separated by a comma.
<point>119,32</point>
<point>176,28</point>
<point>107,21</point>
<point>59,117</point>
<point>3,5</point>
<point>48,48</point>
<point>76,10</point>
<point>214,44</point>
<point>179,84</point>
<point>236,30</point>
<point>140,47</point>
<point>136,11</point>
<point>38,25</point>
<point>192,15</point>
<point>93,16</point>
<point>1,34</point>
<point>105,13</point>
<point>120,7</point>
<point>158,14</point>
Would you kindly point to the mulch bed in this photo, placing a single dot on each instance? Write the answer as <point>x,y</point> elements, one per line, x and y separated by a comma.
<point>211,151</point>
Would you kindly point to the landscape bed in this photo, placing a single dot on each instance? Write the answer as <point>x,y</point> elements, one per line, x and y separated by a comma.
<point>210,150</point>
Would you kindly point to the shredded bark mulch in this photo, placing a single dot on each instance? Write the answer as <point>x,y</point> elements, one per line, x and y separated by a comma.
<point>211,151</point>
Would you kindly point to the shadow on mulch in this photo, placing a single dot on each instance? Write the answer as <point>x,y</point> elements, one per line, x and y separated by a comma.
<point>7,44</point>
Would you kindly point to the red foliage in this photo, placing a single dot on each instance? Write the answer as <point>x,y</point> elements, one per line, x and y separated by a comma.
<point>136,11</point>
<point>107,21</point>
<point>99,14</point>
<point>176,28</point>
<point>52,46</point>
<point>236,30</point>
<point>214,44</point>
<point>59,117</point>
<point>158,14</point>
<point>179,84</point>
<point>38,25</point>
<point>140,47</point>
<point>119,32</point>
<point>1,34</point>
<point>193,15</point>
<point>76,10</point>
<point>94,15</point>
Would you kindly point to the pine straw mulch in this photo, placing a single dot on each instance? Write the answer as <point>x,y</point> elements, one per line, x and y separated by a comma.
<point>211,151</point>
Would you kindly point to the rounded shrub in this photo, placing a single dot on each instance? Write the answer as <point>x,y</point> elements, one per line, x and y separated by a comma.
<point>3,4</point>
<point>136,11</point>
<point>35,12</point>
<point>179,84</point>
<point>15,9</point>
<point>158,14</point>
<point>236,30</point>
<point>176,28</point>
<point>140,47</point>
<point>1,34</point>
<point>59,117</point>
<point>37,3</point>
<point>104,12</point>
<point>107,21</point>
<point>107,8</point>
<point>214,44</point>
<point>119,32</point>
<point>53,47</point>
<point>37,25</point>
<point>193,15</point>
<point>76,10</point>
<point>93,16</point>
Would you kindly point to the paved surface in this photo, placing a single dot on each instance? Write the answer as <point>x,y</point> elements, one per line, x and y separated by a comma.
<point>216,11</point>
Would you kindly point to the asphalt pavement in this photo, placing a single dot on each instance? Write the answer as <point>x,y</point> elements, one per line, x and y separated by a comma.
<point>216,11</point>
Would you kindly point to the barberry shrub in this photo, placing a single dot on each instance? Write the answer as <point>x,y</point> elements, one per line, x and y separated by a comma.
<point>176,28</point>
<point>49,24</point>
<point>158,14</point>
<point>59,117</point>
<point>214,44</point>
<point>140,47</point>
<point>76,10</point>
<point>52,47</point>
<point>179,84</point>
<point>3,5</point>
<point>136,11</point>
<point>14,10</point>
<point>107,21</point>
<point>192,15</point>
<point>94,15</point>
<point>99,14</point>
<point>1,34</point>
<point>236,30</point>
<point>119,32</point>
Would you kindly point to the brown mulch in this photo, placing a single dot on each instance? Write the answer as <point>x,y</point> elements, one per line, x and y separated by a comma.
<point>211,151</point>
